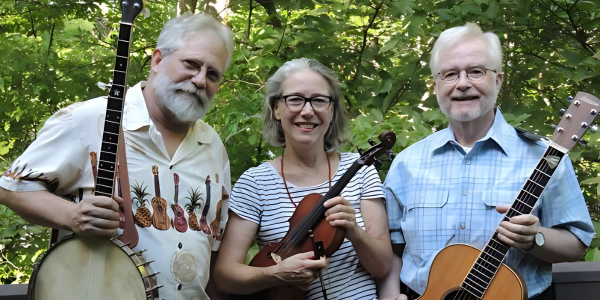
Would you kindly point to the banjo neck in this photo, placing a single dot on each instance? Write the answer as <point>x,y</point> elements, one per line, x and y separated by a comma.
<point>114,115</point>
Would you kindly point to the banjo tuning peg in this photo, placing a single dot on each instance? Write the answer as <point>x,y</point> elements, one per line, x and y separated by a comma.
<point>562,111</point>
<point>570,98</point>
<point>593,128</point>
<point>583,142</point>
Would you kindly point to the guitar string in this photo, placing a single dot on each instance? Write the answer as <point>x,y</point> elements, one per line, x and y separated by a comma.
<point>536,176</point>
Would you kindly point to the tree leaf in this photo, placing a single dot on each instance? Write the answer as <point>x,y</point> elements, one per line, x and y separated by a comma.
<point>390,44</point>
<point>386,86</point>
<point>376,113</point>
<point>492,10</point>
<point>592,255</point>
<point>595,180</point>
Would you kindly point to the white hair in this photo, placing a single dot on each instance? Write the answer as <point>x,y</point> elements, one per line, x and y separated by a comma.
<point>337,132</point>
<point>177,29</point>
<point>451,36</point>
<point>183,100</point>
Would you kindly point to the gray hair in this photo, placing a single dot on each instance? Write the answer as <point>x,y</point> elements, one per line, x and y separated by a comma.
<point>454,35</point>
<point>177,29</point>
<point>335,135</point>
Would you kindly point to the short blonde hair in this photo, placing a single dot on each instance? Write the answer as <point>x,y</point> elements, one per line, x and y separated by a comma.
<point>335,135</point>
<point>456,34</point>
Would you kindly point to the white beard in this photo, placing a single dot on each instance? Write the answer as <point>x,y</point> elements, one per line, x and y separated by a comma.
<point>183,99</point>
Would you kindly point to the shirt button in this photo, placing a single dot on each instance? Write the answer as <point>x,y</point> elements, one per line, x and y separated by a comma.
<point>462,225</point>
<point>170,167</point>
<point>468,161</point>
<point>465,192</point>
<point>179,287</point>
<point>180,245</point>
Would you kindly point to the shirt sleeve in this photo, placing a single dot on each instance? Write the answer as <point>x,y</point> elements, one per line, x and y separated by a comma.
<point>393,206</point>
<point>53,162</point>
<point>371,188</point>
<point>563,204</point>
<point>225,192</point>
<point>245,200</point>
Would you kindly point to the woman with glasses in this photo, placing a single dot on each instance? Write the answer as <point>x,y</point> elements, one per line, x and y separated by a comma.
<point>303,113</point>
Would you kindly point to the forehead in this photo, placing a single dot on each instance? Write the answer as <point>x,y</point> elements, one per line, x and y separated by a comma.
<point>466,53</point>
<point>306,82</point>
<point>206,46</point>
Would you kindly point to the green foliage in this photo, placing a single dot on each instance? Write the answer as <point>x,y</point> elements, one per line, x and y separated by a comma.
<point>57,51</point>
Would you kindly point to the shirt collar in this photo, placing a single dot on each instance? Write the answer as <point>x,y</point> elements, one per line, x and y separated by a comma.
<point>500,132</point>
<point>136,116</point>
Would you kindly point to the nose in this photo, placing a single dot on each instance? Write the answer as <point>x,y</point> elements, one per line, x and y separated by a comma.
<point>199,80</point>
<point>307,110</point>
<point>463,83</point>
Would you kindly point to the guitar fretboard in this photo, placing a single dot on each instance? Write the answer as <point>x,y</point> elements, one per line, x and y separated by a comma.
<point>489,261</point>
<point>114,112</point>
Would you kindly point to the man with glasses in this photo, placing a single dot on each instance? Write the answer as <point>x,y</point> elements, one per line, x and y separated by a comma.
<point>455,185</point>
<point>169,149</point>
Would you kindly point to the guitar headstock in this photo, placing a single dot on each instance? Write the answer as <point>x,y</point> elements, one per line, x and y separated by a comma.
<point>155,170</point>
<point>576,120</point>
<point>387,138</point>
<point>130,9</point>
<point>176,178</point>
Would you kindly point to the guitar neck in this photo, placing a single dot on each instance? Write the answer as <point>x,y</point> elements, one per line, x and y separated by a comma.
<point>114,114</point>
<point>156,186</point>
<point>489,261</point>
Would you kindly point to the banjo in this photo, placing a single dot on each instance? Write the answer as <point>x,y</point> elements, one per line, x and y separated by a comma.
<point>96,268</point>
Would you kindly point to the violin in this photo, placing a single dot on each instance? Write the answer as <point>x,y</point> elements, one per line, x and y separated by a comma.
<point>309,219</point>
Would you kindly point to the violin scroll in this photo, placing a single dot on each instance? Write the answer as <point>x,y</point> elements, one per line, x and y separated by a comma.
<point>369,157</point>
<point>387,138</point>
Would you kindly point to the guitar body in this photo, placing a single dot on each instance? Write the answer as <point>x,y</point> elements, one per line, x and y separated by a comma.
<point>160,218</point>
<point>451,266</point>
<point>331,236</point>
<point>179,222</point>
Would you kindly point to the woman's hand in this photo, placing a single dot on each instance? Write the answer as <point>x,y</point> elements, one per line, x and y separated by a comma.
<point>341,214</point>
<point>300,269</point>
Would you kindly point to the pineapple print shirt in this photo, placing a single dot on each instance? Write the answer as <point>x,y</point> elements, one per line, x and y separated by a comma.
<point>196,180</point>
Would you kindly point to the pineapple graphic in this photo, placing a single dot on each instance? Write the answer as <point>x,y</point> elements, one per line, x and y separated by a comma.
<point>143,217</point>
<point>194,196</point>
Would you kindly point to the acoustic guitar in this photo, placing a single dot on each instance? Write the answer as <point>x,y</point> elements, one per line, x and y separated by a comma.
<point>461,272</point>
<point>160,218</point>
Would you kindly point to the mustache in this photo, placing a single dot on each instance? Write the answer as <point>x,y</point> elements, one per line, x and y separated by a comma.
<point>188,87</point>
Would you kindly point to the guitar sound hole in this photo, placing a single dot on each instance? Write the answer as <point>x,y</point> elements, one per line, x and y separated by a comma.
<point>460,295</point>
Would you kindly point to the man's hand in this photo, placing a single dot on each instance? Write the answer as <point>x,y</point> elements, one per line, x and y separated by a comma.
<point>96,215</point>
<point>520,231</point>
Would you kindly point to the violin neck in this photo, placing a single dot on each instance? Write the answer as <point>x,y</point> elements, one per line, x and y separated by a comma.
<point>337,188</point>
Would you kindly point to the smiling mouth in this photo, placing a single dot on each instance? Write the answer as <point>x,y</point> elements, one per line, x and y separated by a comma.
<point>306,125</point>
<point>466,98</point>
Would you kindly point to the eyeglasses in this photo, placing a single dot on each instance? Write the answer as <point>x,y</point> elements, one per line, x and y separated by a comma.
<point>296,103</point>
<point>473,74</point>
<point>191,64</point>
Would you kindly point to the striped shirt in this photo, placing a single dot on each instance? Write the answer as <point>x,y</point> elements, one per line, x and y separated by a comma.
<point>260,197</point>
<point>438,195</point>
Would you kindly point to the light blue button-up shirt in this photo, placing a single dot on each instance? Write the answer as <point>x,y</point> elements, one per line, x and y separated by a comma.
<point>438,195</point>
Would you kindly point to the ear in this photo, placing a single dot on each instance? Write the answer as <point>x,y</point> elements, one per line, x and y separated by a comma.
<point>155,60</point>
<point>499,80</point>
<point>277,110</point>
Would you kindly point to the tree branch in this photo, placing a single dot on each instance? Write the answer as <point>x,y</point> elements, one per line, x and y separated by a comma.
<point>51,36</point>
<point>250,18</point>
<point>32,26</point>
<point>283,33</point>
<point>364,43</point>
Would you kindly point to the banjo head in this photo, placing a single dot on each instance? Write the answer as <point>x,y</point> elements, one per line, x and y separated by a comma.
<point>92,268</point>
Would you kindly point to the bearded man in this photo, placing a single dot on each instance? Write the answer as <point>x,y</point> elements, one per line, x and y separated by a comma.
<point>454,186</point>
<point>168,148</point>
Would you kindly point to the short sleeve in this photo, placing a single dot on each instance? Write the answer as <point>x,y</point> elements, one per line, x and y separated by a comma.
<point>393,204</point>
<point>245,200</point>
<point>53,162</point>
<point>371,188</point>
<point>225,192</point>
<point>563,204</point>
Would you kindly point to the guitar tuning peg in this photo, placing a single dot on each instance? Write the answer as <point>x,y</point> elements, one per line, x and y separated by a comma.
<point>583,142</point>
<point>562,111</point>
<point>104,86</point>
<point>145,12</point>
<point>570,98</point>
<point>360,150</point>
<point>553,125</point>
<point>371,142</point>
<point>593,128</point>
